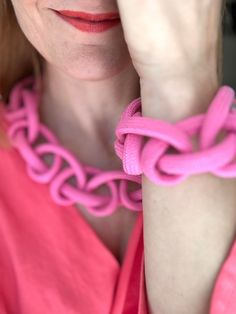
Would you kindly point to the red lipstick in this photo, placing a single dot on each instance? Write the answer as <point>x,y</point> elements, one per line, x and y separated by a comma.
<point>88,22</point>
<point>90,16</point>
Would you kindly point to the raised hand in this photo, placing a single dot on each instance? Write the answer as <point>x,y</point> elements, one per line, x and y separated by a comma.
<point>163,35</point>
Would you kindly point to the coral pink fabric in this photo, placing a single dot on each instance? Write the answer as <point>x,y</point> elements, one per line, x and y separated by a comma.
<point>52,262</point>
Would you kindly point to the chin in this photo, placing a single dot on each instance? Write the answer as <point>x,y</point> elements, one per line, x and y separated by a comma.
<point>94,72</point>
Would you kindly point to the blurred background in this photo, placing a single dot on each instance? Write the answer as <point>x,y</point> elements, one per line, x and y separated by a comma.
<point>229,44</point>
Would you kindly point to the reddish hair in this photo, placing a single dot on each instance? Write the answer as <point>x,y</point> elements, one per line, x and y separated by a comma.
<point>18,57</point>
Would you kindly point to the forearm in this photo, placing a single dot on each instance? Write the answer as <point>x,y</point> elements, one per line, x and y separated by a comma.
<point>188,228</point>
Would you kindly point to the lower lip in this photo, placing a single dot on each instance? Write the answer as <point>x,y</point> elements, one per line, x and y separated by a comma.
<point>90,27</point>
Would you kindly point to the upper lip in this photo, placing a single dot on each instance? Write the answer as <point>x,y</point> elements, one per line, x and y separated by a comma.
<point>90,16</point>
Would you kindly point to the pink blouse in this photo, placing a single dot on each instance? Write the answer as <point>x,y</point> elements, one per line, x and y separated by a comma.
<point>52,261</point>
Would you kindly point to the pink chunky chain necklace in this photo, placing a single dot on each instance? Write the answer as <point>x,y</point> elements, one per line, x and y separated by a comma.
<point>138,157</point>
<point>24,129</point>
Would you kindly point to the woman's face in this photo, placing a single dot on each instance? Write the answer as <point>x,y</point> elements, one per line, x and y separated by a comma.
<point>83,55</point>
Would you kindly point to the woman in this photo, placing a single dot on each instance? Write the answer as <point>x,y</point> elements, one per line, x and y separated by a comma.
<point>70,261</point>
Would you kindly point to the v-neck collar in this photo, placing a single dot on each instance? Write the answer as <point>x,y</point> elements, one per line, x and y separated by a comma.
<point>133,254</point>
<point>132,242</point>
<point>134,236</point>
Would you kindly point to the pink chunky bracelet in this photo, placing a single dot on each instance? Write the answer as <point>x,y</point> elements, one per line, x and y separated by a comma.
<point>149,158</point>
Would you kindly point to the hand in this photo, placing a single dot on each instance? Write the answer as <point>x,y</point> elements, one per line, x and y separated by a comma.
<point>166,36</point>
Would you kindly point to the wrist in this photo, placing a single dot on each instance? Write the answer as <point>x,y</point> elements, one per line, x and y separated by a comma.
<point>178,95</point>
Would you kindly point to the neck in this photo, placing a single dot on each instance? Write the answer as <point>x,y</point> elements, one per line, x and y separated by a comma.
<point>84,114</point>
